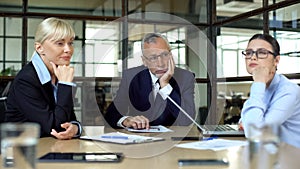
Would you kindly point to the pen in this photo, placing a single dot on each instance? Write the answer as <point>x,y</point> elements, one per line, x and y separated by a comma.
<point>153,128</point>
<point>142,140</point>
<point>115,137</point>
<point>185,138</point>
<point>193,162</point>
<point>209,138</point>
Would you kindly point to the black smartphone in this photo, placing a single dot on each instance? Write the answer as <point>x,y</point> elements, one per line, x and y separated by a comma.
<point>191,162</point>
<point>186,138</point>
<point>81,157</point>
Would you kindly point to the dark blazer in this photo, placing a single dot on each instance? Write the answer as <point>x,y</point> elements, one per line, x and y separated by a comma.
<point>135,97</point>
<point>30,101</point>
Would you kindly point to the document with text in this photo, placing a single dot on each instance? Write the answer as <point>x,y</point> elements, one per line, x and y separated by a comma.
<point>214,144</point>
<point>121,138</point>
<point>153,129</point>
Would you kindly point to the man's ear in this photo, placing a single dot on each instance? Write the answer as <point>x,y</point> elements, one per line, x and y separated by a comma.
<point>144,61</point>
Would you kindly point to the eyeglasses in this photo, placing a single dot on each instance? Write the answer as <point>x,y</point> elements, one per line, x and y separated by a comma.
<point>260,53</point>
<point>154,58</point>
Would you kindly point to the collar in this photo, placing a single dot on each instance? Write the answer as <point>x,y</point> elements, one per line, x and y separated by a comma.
<point>153,77</point>
<point>274,81</point>
<point>40,68</point>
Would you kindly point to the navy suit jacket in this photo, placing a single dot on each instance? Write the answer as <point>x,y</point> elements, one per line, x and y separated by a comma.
<point>30,101</point>
<point>135,97</point>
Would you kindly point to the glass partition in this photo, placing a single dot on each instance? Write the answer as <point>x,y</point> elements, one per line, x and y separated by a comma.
<point>90,7</point>
<point>230,8</point>
<point>11,45</point>
<point>230,44</point>
<point>11,6</point>
<point>194,11</point>
<point>274,1</point>
<point>103,43</point>
<point>284,25</point>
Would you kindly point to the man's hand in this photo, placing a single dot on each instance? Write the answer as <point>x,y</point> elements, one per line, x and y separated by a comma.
<point>137,122</point>
<point>71,131</point>
<point>164,80</point>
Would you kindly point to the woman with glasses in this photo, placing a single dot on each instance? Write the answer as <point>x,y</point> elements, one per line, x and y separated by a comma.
<point>138,103</point>
<point>273,97</point>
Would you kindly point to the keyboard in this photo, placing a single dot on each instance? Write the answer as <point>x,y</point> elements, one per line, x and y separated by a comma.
<point>222,130</point>
<point>219,128</point>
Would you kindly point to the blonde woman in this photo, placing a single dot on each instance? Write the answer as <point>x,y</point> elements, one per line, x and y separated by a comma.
<point>42,91</point>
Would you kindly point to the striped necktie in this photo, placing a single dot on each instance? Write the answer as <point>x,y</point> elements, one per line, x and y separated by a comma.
<point>156,88</point>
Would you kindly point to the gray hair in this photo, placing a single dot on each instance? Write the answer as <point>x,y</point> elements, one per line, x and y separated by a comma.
<point>151,38</point>
<point>53,29</point>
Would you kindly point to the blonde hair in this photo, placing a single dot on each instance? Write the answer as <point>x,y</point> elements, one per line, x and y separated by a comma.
<point>53,29</point>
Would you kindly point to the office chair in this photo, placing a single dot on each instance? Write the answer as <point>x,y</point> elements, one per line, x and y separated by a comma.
<point>2,108</point>
<point>3,100</point>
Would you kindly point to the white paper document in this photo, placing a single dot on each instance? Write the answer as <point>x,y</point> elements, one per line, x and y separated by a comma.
<point>214,144</point>
<point>153,129</point>
<point>121,138</point>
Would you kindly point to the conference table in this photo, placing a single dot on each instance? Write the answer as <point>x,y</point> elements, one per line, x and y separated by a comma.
<point>155,155</point>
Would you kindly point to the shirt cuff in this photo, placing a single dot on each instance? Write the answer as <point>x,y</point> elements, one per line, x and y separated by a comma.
<point>119,124</point>
<point>79,129</point>
<point>165,91</point>
<point>68,83</point>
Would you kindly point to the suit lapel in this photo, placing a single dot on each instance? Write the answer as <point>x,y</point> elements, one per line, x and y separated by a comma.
<point>140,91</point>
<point>48,93</point>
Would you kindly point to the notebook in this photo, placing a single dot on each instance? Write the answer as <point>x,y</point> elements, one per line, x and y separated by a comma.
<point>224,130</point>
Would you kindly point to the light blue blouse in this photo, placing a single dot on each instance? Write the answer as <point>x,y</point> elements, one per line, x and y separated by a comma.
<point>279,103</point>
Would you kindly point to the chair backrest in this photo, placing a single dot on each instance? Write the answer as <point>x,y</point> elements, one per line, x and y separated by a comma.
<point>6,89</point>
<point>3,99</point>
<point>2,108</point>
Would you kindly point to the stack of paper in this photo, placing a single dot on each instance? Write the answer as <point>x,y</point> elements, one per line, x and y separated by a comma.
<point>122,138</point>
<point>214,144</point>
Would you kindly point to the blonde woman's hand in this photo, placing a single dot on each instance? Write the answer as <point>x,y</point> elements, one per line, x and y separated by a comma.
<point>63,72</point>
<point>69,133</point>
